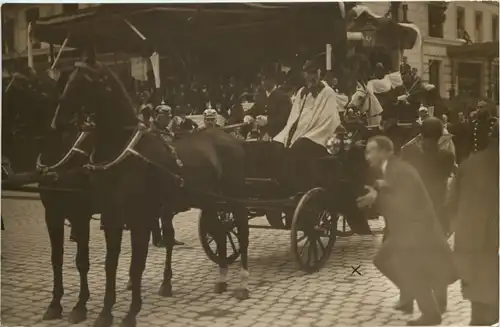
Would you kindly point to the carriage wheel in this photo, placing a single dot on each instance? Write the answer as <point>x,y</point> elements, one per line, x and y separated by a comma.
<point>208,242</point>
<point>277,219</point>
<point>313,231</point>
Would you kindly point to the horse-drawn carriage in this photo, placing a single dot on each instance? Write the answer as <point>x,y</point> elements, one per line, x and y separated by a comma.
<point>133,164</point>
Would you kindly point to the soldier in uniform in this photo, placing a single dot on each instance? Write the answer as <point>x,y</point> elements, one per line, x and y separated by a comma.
<point>482,127</point>
<point>161,124</point>
<point>209,118</point>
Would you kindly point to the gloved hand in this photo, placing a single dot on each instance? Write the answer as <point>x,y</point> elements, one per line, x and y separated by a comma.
<point>248,120</point>
<point>261,120</point>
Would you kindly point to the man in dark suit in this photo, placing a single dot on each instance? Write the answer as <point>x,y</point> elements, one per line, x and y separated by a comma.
<point>434,166</point>
<point>474,202</point>
<point>415,256</point>
<point>273,103</point>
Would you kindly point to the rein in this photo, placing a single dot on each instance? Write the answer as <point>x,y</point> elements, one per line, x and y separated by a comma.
<point>74,149</point>
<point>140,131</point>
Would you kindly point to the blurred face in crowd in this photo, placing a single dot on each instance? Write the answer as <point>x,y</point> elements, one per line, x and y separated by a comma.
<point>423,114</point>
<point>163,119</point>
<point>444,118</point>
<point>374,155</point>
<point>461,117</point>
<point>311,77</point>
<point>210,122</point>
<point>482,107</point>
<point>268,83</point>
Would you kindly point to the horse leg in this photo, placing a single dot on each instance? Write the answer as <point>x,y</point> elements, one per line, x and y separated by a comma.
<point>140,245</point>
<point>241,220</point>
<point>113,247</point>
<point>218,232</point>
<point>81,227</point>
<point>169,239</point>
<point>55,226</point>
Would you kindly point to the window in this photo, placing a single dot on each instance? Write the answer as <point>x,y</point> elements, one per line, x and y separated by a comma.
<point>494,28</point>
<point>478,34</point>
<point>436,18</point>
<point>434,74</point>
<point>69,7</point>
<point>8,36</point>
<point>460,22</point>
<point>32,15</point>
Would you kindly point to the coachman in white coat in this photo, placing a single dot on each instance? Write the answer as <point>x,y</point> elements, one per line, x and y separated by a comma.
<point>313,120</point>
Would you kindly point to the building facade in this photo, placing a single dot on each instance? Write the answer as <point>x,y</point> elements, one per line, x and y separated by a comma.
<point>455,24</point>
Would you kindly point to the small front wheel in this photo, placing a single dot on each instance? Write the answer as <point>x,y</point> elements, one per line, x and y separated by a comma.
<point>207,239</point>
<point>313,231</point>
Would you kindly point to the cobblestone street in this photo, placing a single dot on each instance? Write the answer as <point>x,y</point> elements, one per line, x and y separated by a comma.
<point>281,295</point>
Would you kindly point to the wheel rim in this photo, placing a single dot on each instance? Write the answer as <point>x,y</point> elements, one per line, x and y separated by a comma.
<point>232,243</point>
<point>313,242</point>
<point>313,232</point>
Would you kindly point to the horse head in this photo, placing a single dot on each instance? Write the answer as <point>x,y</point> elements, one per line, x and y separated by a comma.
<point>30,102</point>
<point>95,88</point>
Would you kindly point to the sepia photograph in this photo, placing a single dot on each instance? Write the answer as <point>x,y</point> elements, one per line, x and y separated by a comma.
<point>238,164</point>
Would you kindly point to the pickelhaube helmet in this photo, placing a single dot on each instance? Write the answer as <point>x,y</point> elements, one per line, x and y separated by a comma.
<point>210,114</point>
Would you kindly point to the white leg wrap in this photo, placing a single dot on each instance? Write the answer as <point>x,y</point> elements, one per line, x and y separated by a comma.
<point>244,275</point>
<point>223,275</point>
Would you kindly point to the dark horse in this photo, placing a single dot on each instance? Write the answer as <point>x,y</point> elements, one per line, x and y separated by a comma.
<point>137,179</point>
<point>61,153</point>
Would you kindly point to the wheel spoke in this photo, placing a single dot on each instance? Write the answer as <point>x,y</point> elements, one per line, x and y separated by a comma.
<point>300,239</point>
<point>321,245</point>
<point>232,242</point>
<point>309,256</point>
<point>304,247</point>
<point>315,251</point>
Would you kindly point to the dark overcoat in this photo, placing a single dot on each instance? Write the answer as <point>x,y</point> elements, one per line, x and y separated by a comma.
<point>415,255</point>
<point>474,202</point>
<point>276,107</point>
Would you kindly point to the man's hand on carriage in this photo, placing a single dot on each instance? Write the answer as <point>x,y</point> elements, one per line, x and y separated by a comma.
<point>368,199</point>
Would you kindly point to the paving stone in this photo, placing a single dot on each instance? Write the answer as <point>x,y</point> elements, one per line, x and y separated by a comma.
<point>280,294</point>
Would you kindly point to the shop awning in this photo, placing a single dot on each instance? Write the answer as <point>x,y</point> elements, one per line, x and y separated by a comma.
<point>140,28</point>
<point>478,50</point>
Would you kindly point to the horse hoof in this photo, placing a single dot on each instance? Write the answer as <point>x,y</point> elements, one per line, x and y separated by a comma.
<point>165,290</point>
<point>104,320</point>
<point>52,314</point>
<point>128,321</point>
<point>77,315</point>
<point>129,285</point>
<point>241,294</point>
<point>220,287</point>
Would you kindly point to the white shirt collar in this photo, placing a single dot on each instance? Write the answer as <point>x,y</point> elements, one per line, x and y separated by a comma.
<point>268,93</point>
<point>384,166</point>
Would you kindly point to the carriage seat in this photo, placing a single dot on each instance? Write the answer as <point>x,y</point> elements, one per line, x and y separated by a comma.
<point>263,164</point>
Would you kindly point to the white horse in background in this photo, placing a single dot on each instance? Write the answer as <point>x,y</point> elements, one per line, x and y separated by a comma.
<point>366,101</point>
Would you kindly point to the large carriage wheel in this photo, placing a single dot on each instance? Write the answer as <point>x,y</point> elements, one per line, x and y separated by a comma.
<point>208,242</point>
<point>313,231</point>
